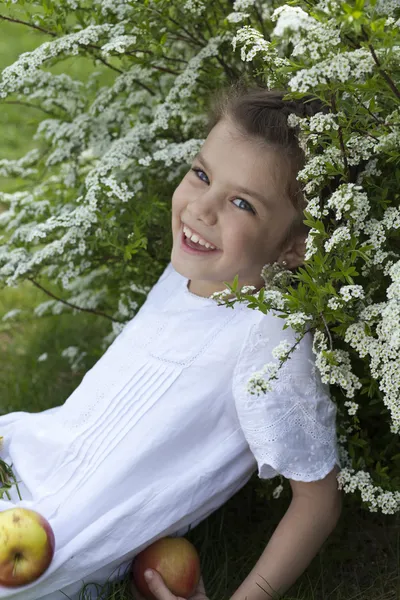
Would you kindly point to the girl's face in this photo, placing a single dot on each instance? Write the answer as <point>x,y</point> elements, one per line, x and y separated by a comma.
<point>247,227</point>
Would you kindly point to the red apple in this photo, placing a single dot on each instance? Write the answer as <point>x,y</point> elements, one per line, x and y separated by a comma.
<point>26,546</point>
<point>177,561</point>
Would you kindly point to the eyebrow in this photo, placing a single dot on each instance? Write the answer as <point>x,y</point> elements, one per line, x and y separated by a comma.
<point>242,190</point>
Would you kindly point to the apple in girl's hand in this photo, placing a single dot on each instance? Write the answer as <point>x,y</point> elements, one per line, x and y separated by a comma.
<point>26,546</point>
<point>177,561</point>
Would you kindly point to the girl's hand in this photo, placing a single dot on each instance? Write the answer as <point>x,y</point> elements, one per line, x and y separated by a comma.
<point>161,592</point>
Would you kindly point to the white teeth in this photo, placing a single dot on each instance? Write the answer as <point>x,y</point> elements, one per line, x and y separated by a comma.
<point>195,238</point>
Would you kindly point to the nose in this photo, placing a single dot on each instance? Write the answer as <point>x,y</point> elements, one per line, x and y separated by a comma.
<point>204,207</point>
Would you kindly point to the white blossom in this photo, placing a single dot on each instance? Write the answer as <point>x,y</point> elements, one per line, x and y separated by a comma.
<point>11,314</point>
<point>277,491</point>
<point>237,17</point>
<point>340,235</point>
<point>351,291</point>
<point>355,64</point>
<point>257,384</point>
<point>281,350</point>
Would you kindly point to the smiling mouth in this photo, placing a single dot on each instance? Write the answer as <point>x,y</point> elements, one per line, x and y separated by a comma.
<point>184,237</point>
<point>188,246</point>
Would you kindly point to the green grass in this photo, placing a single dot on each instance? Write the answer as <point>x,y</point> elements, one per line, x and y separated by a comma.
<point>360,560</point>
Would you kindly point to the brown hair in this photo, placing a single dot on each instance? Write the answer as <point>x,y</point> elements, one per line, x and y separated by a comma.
<point>262,114</point>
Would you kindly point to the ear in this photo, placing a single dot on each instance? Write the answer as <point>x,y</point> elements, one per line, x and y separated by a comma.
<point>294,251</point>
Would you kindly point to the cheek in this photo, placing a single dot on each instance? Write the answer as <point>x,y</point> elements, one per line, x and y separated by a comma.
<point>179,195</point>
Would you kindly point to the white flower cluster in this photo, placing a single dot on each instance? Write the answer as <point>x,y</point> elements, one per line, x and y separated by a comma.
<point>329,6</point>
<point>18,167</point>
<point>340,235</point>
<point>247,36</point>
<point>237,17</point>
<point>184,84</point>
<point>293,120</point>
<point>119,43</point>
<point>357,338</point>
<point>348,292</point>
<point>28,63</point>
<point>352,407</point>
<point>375,496</point>
<point>360,147</point>
<point>335,303</point>
<point>174,152</point>
<point>194,7</point>
<point>277,491</point>
<point>220,297</point>
<point>315,170</point>
<point>298,319</point>
<point>11,314</point>
<point>311,247</point>
<point>353,65</point>
<point>239,5</point>
<point>338,370</point>
<point>248,289</point>
<point>121,10</point>
<point>257,384</point>
<point>377,231</point>
<point>323,122</point>
<point>45,307</point>
<point>384,350</point>
<point>281,350</point>
<point>351,202</point>
<point>313,207</point>
<point>369,170</point>
<point>387,7</point>
<point>74,357</point>
<point>352,291</point>
<point>290,18</point>
<point>309,37</point>
<point>275,297</point>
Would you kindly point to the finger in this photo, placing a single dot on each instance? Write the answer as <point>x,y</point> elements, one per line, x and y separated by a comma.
<point>158,588</point>
<point>201,587</point>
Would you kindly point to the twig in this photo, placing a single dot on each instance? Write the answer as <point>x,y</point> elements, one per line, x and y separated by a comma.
<point>28,25</point>
<point>30,106</point>
<point>327,329</point>
<point>90,310</point>
<point>384,74</point>
<point>333,99</point>
<point>102,60</point>
<point>379,121</point>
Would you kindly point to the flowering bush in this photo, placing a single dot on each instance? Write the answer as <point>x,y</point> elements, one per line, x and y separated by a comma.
<point>95,216</point>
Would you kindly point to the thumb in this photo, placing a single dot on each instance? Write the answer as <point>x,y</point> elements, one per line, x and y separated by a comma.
<point>157,586</point>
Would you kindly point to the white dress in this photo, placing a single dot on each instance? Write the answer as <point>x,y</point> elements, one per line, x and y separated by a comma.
<point>161,432</point>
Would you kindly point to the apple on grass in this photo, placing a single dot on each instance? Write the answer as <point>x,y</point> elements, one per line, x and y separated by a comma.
<point>177,561</point>
<point>27,546</point>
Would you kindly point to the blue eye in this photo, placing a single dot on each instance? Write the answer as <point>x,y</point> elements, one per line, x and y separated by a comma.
<point>241,200</point>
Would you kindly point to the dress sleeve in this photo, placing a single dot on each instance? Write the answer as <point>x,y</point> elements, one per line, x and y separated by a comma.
<point>290,429</point>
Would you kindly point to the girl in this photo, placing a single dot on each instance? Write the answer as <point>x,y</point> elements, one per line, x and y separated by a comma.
<point>162,430</point>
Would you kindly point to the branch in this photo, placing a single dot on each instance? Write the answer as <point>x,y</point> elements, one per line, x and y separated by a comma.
<point>102,60</point>
<point>90,310</point>
<point>385,76</point>
<point>327,330</point>
<point>30,106</point>
<point>28,25</point>
<point>341,139</point>
<point>379,121</point>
